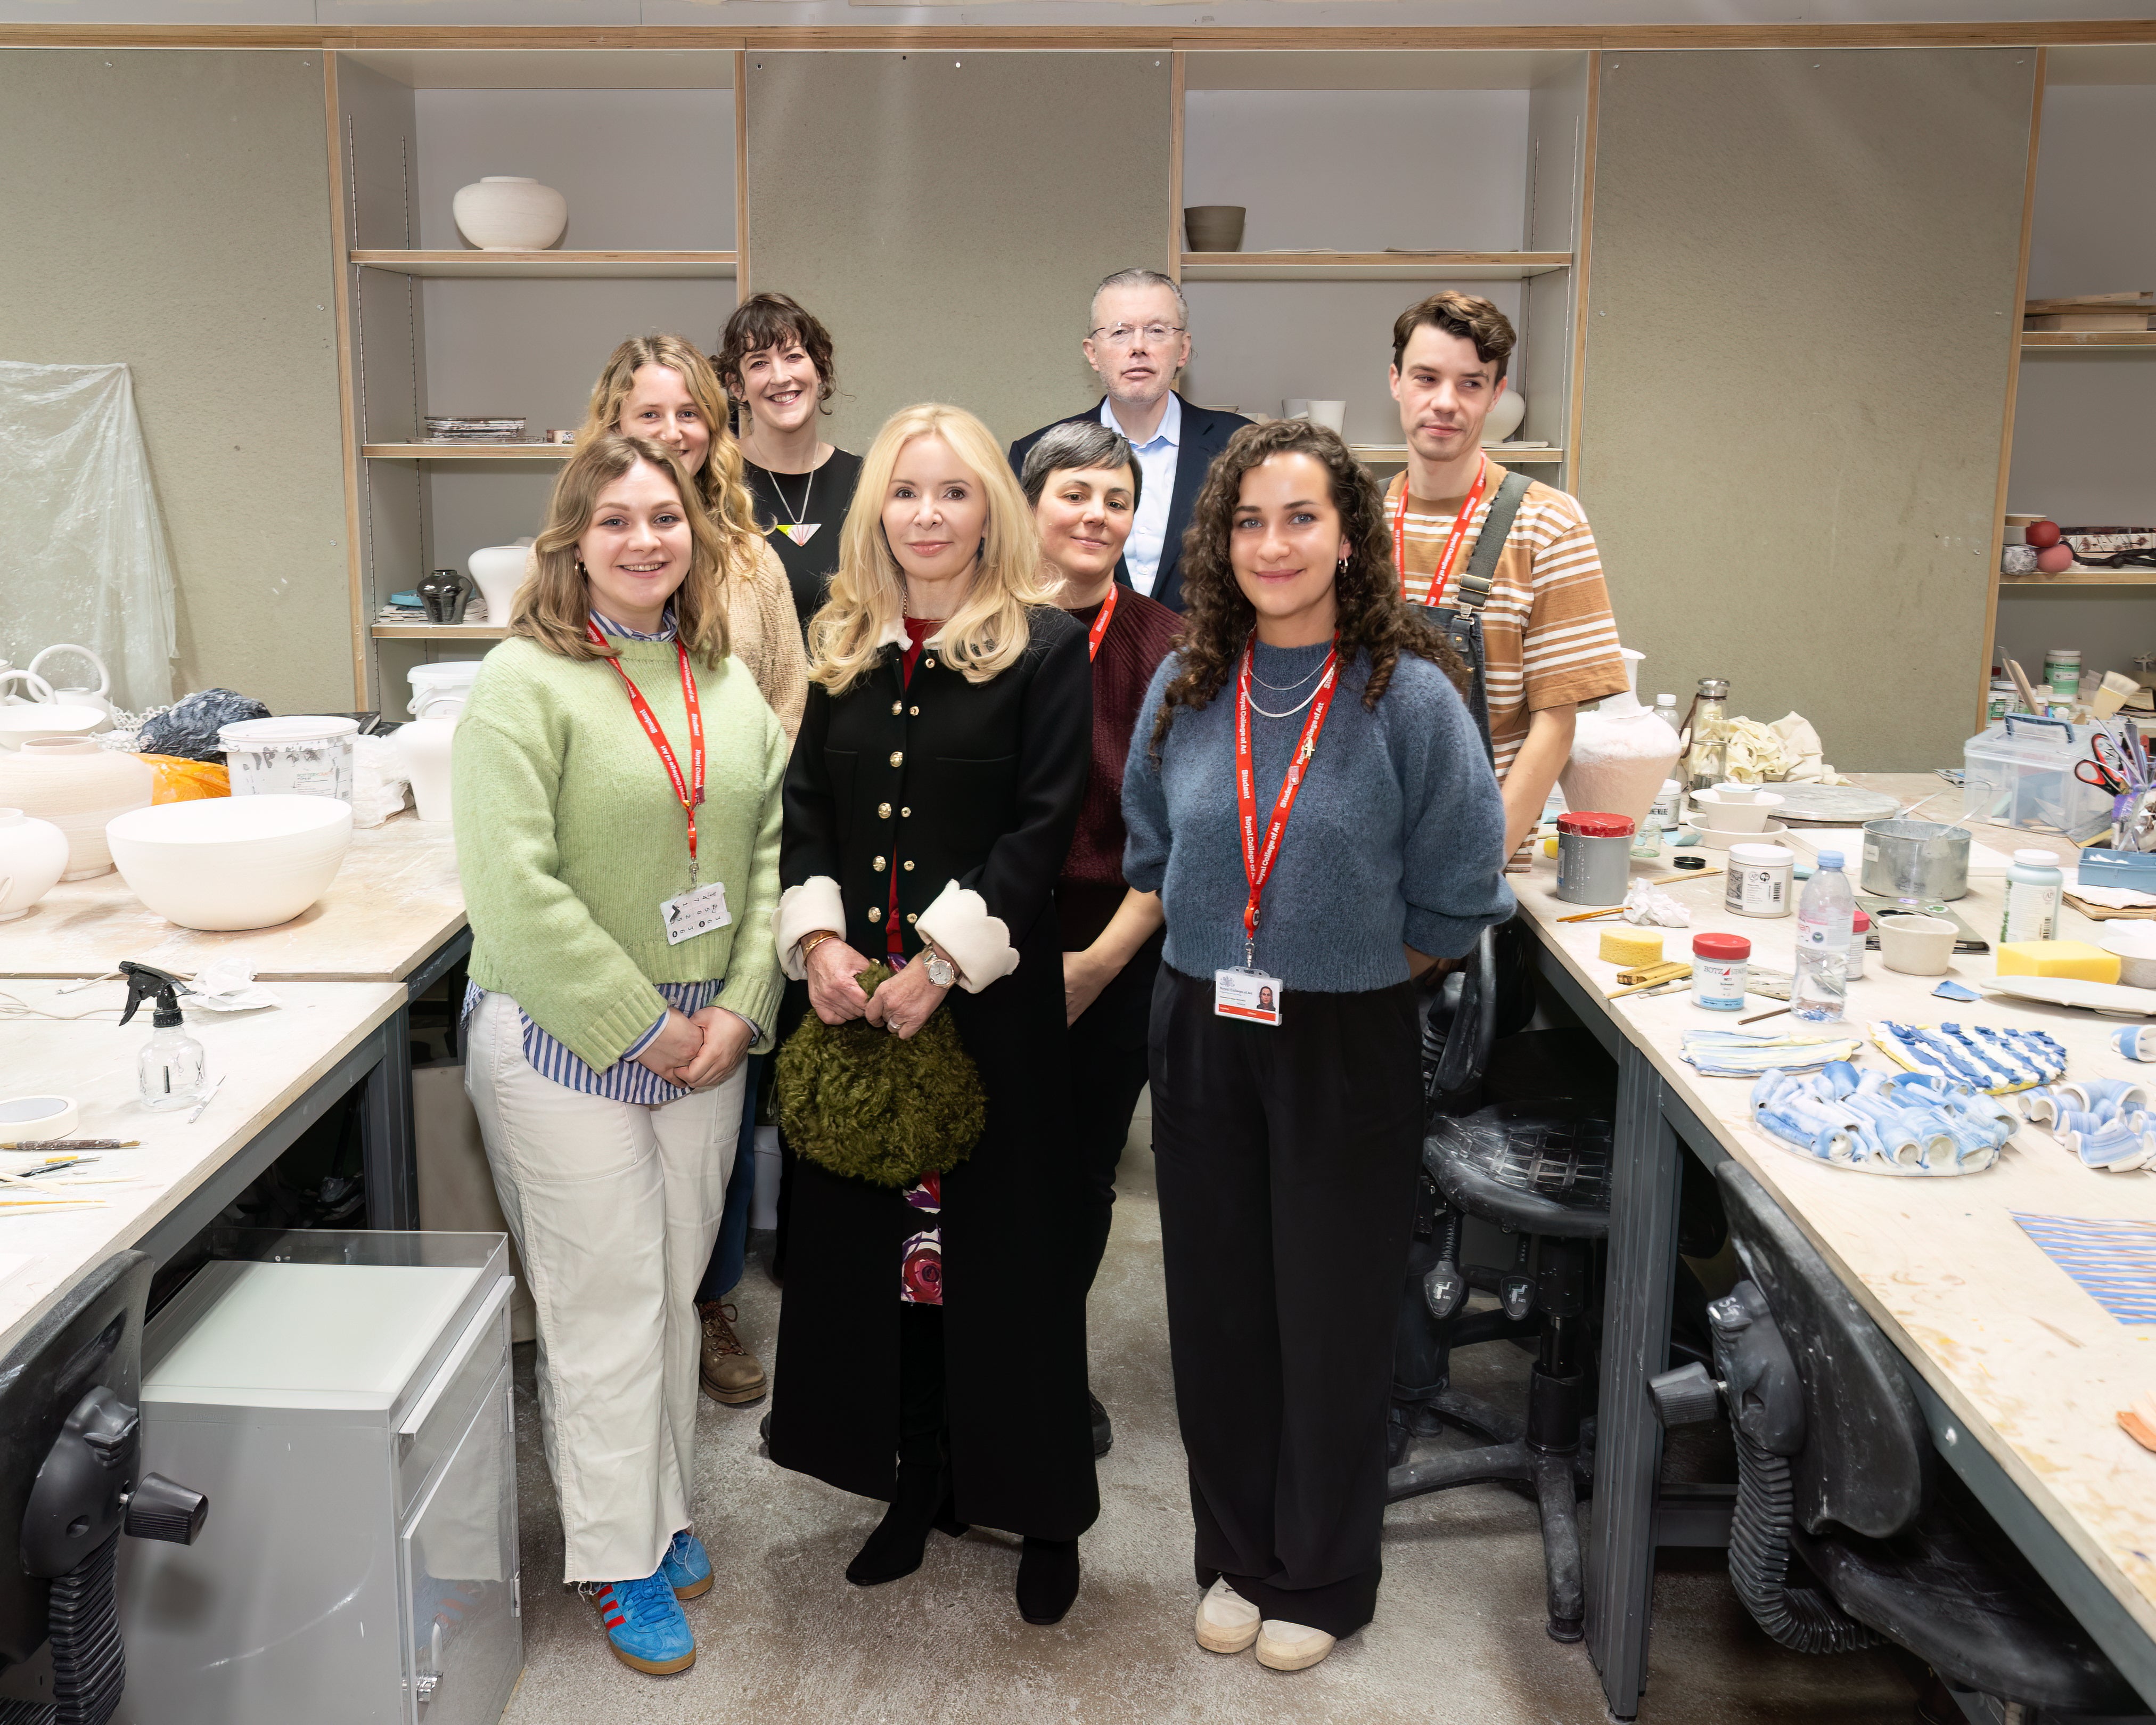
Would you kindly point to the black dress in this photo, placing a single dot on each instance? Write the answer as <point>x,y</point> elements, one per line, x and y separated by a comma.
<point>817,499</point>
<point>980,783</point>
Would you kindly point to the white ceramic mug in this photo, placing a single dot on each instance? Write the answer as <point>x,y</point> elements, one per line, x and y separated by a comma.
<point>1915,945</point>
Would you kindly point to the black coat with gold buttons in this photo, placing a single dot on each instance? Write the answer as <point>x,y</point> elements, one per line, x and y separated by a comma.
<point>928,781</point>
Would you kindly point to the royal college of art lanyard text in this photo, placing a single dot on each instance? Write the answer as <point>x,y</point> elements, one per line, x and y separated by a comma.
<point>1101,623</point>
<point>1434,594</point>
<point>700,909</point>
<point>1247,993</point>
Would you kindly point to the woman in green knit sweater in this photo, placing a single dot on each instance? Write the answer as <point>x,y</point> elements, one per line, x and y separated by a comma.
<point>616,786</point>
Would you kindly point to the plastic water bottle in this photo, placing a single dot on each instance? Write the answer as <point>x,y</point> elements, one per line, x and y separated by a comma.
<point>1825,916</point>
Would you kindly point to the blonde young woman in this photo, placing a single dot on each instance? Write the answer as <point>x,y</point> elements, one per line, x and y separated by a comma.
<point>663,388</point>
<point>931,801</point>
<point>620,893</point>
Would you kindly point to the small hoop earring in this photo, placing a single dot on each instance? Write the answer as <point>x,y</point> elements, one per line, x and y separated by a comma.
<point>1340,570</point>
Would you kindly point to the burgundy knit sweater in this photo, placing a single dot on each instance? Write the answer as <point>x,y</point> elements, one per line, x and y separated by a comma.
<point>1138,637</point>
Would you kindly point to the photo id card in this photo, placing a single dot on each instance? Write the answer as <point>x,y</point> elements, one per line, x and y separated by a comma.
<point>698,911</point>
<point>1250,995</point>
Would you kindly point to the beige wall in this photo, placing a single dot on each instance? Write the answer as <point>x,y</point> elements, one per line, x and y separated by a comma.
<point>1801,320</point>
<point>172,210</point>
<point>947,215</point>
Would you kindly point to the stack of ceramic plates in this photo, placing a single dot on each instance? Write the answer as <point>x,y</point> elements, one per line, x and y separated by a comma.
<point>442,429</point>
<point>1735,814</point>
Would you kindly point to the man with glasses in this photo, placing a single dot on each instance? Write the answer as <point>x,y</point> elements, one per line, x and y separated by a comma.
<point>1138,339</point>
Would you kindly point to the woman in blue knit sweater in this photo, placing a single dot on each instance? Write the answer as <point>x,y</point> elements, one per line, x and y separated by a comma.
<point>1285,1103</point>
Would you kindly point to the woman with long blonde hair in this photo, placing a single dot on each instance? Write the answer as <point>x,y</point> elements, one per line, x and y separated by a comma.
<point>663,388</point>
<point>617,793</point>
<point>931,801</point>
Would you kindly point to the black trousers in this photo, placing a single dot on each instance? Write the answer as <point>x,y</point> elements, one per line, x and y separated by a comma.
<point>1107,1058</point>
<point>1286,1159</point>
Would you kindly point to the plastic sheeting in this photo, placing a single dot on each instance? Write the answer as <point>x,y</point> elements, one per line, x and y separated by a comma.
<point>83,554</point>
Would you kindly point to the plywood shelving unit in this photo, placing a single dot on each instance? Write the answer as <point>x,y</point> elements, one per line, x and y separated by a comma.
<point>554,266</point>
<point>1336,243</point>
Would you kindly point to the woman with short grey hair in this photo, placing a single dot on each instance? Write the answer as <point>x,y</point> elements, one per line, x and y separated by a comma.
<point>1084,486</point>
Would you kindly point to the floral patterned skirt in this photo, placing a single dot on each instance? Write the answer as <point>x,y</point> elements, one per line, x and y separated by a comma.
<point>921,1260</point>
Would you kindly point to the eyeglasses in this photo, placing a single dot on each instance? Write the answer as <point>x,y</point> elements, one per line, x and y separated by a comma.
<point>1125,335</point>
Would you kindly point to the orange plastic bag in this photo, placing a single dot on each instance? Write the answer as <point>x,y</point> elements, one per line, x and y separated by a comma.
<point>180,780</point>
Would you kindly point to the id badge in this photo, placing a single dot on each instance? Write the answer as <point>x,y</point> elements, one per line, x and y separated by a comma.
<point>1250,995</point>
<point>698,911</point>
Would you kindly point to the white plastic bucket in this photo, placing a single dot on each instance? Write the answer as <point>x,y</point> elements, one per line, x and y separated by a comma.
<point>440,689</point>
<point>308,755</point>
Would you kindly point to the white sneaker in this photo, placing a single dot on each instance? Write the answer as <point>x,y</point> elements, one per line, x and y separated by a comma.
<point>1227,1622</point>
<point>1292,1646</point>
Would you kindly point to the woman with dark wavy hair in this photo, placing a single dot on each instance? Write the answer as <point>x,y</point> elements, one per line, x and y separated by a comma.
<point>1319,818</point>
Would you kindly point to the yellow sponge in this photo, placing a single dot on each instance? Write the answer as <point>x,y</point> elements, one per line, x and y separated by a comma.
<point>1631,947</point>
<point>2077,959</point>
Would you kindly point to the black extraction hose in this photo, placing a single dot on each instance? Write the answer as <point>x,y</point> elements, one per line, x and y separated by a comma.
<point>90,1667</point>
<point>1801,1619</point>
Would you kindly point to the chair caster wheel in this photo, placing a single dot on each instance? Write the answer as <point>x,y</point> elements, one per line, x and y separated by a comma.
<point>1565,1628</point>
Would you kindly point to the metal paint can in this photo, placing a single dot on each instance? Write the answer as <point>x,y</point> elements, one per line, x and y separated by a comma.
<point>1593,857</point>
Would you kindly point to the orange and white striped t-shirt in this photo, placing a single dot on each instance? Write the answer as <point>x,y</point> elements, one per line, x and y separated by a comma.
<point>1548,638</point>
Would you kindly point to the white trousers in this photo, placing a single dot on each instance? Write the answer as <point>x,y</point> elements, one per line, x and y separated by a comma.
<point>614,1208</point>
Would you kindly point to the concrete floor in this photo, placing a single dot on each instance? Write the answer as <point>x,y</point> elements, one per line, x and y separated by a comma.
<point>1458,1638</point>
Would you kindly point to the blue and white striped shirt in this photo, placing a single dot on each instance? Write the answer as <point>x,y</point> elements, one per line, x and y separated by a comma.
<point>625,1080</point>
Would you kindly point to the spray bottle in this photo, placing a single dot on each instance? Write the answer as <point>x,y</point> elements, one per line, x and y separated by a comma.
<point>170,1071</point>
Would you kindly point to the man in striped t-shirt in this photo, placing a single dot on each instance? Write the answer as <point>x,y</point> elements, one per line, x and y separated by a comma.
<point>1547,635</point>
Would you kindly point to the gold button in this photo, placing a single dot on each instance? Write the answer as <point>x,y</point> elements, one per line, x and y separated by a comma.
<point>914,712</point>
<point>929,663</point>
<point>910,918</point>
<point>908,866</point>
<point>898,757</point>
<point>878,865</point>
<point>906,814</point>
<point>896,704</point>
<point>874,914</point>
<point>883,811</point>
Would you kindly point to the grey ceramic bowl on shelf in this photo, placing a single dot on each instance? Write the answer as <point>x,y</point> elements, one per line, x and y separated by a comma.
<point>1213,227</point>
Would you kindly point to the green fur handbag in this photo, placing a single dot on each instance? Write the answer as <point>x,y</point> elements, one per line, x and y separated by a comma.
<point>858,1101</point>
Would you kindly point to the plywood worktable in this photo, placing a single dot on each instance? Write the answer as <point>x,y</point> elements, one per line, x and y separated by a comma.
<point>282,1068</point>
<point>2025,1371</point>
<point>394,905</point>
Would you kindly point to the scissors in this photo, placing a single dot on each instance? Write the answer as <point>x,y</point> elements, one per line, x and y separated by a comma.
<point>2102,778</point>
<point>2109,756</point>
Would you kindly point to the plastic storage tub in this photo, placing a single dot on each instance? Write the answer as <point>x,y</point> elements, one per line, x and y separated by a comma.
<point>2020,774</point>
<point>306,756</point>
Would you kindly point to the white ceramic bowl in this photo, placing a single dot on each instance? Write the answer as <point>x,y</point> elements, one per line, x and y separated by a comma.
<point>507,212</point>
<point>1710,840</point>
<point>19,724</point>
<point>2135,944</point>
<point>1718,813</point>
<point>223,863</point>
<point>79,788</point>
<point>34,855</point>
<point>1914,944</point>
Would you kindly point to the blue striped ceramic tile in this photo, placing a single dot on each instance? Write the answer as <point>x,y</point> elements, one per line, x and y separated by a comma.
<point>2114,1261</point>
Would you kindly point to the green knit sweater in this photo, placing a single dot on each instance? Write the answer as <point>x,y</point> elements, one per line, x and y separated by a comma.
<point>569,838</point>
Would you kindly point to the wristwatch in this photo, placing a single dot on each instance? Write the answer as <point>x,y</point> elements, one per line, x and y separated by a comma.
<point>939,972</point>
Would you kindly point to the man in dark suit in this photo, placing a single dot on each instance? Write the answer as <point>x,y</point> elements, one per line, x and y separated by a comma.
<point>1139,340</point>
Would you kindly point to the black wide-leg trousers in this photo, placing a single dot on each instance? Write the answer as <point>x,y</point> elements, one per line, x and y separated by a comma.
<point>1285,1163</point>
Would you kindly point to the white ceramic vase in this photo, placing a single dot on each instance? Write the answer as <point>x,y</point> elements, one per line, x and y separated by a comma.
<point>422,753</point>
<point>33,854</point>
<point>224,863</point>
<point>79,788</point>
<point>77,694</point>
<point>498,571</point>
<point>504,213</point>
<point>1507,415</point>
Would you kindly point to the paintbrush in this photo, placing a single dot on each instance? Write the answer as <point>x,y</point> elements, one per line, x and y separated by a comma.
<point>31,1145</point>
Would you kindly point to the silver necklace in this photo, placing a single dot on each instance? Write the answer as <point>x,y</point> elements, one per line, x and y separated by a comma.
<point>1291,712</point>
<point>807,491</point>
<point>1285,688</point>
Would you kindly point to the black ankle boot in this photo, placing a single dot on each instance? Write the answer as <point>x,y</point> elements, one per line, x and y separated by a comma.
<point>1047,1579</point>
<point>922,1501</point>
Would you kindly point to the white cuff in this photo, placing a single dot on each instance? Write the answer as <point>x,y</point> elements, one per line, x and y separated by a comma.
<point>978,943</point>
<point>894,633</point>
<point>802,910</point>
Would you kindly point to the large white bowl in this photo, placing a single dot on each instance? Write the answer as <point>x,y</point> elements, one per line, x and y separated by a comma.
<point>2134,944</point>
<point>19,724</point>
<point>223,863</point>
<point>1714,811</point>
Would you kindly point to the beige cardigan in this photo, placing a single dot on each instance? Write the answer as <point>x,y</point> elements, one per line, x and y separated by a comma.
<point>764,634</point>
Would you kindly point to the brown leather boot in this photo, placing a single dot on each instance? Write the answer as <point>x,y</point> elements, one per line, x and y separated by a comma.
<point>730,1372</point>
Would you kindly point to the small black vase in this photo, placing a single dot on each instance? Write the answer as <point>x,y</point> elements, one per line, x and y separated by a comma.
<point>445,593</point>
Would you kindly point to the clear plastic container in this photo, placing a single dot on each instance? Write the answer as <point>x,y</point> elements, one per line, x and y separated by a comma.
<point>2020,774</point>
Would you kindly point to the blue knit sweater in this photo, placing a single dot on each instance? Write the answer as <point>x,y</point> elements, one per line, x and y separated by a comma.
<point>1398,835</point>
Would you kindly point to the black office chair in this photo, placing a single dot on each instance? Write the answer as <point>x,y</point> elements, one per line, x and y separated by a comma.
<point>1535,1161</point>
<point>70,1443</point>
<point>1836,1469</point>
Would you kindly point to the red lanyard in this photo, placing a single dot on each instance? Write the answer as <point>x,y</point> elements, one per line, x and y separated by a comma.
<point>1101,623</point>
<point>1258,855</point>
<point>691,790</point>
<point>1434,593</point>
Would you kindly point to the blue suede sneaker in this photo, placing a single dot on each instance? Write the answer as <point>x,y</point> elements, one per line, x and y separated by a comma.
<point>687,1570</point>
<point>644,1625</point>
